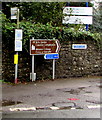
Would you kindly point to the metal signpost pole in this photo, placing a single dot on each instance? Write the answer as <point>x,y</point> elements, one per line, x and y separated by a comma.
<point>87,24</point>
<point>16,65</point>
<point>33,68</point>
<point>53,77</point>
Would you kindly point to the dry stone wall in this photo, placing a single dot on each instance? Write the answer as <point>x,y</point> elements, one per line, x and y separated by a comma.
<point>72,63</point>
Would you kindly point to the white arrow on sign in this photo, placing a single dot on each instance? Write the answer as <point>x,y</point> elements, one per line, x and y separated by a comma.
<point>58,46</point>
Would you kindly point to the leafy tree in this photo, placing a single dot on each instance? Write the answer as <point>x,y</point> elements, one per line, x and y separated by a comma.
<point>40,12</point>
<point>36,12</point>
<point>97,21</point>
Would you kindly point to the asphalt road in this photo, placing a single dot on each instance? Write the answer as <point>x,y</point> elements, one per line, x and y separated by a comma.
<point>73,98</point>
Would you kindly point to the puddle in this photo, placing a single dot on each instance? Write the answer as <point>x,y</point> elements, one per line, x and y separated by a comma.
<point>45,95</point>
<point>44,108</point>
<point>61,108</point>
<point>81,88</point>
<point>100,86</point>
<point>9,102</point>
<point>77,91</point>
<point>70,107</point>
<point>64,104</point>
<point>73,91</point>
<point>88,92</point>
<point>79,108</point>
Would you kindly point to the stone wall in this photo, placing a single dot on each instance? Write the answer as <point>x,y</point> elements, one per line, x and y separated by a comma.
<point>78,63</point>
<point>72,63</point>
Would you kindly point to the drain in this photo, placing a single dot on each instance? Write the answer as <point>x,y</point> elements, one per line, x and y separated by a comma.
<point>10,102</point>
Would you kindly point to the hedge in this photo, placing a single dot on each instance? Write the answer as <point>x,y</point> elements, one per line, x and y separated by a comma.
<point>41,31</point>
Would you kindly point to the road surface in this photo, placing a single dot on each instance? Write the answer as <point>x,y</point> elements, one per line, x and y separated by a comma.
<point>61,98</point>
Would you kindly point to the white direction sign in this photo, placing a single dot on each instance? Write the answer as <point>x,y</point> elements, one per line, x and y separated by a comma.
<point>77,20</point>
<point>18,45</point>
<point>14,13</point>
<point>78,10</point>
<point>18,34</point>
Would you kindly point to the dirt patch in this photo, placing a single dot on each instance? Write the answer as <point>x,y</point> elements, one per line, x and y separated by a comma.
<point>46,95</point>
<point>10,102</point>
<point>73,91</point>
<point>81,88</point>
<point>96,102</point>
<point>88,92</point>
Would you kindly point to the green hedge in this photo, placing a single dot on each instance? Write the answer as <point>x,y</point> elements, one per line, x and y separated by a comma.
<point>40,31</point>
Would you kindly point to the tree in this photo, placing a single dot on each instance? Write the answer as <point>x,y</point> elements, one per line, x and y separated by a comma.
<point>40,12</point>
<point>36,12</point>
<point>97,18</point>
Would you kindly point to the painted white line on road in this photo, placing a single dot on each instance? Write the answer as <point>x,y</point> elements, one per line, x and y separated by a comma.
<point>73,108</point>
<point>22,109</point>
<point>54,108</point>
<point>94,106</point>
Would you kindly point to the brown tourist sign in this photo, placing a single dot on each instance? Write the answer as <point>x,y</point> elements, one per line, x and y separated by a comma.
<point>44,46</point>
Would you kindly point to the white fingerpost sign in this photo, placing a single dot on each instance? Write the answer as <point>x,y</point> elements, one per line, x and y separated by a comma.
<point>14,13</point>
<point>18,34</point>
<point>18,45</point>
<point>77,20</point>
<point>77,15</point>
<point>78,10</point>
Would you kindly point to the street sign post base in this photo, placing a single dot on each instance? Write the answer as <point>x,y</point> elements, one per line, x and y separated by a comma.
<point>33,76</point>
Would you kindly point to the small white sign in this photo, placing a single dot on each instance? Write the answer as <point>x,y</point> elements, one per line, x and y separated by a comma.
<point>14,13</point>
<point>18,45</point>
<point>78,10</point>
<point>18,34</point>
<point>79,46</point>
<point>77,20</point>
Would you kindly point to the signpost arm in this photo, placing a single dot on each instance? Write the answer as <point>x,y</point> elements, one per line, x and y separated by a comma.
<point>16,65</point>
<point>87,24</point>
<point>53,77</point>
